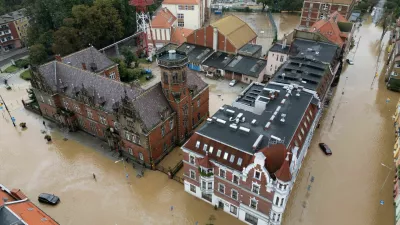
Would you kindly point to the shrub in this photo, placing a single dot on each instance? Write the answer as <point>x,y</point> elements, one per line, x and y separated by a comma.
<point>22,63</point>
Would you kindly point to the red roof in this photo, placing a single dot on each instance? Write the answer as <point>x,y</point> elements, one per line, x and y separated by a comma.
<point>163,19</point>
<point>283,173</point>
<point>22,207</point>
<point>181,2</point>
<point>275,156</point>
<point>330,29</point>
<point>179,35</point>
<point>205,162</point>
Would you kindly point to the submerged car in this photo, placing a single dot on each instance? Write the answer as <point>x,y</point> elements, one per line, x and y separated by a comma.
<point>324,147</point>
<point>349,61</point>
<point>48,199</point>
<point>232,83</point>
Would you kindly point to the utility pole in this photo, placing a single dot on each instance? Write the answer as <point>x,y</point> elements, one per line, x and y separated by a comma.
<point>5,105</point>
<point>340,102</point>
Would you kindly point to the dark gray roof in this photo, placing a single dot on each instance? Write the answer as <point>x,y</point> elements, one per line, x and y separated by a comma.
<point>167,47</point>
<point>247,65</point>
<point>250,49</point>
<point>8,218</point>
<point>88,56</point>
<point>219,60</point>
<point>6,18</point>
<point>320,51</point>
<point>302,71</point>
<point>150,105</point>
<point>196,53</point>
<point>195,83</point>
<point>58,74</point>
<point>278,47</point>
<point>294,107</point>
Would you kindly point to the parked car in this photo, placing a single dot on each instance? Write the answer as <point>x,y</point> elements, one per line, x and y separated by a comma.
<point>233,83</point>
<point>349,61</point>
<point>148,77</point>
<point>48,199</point>
<point>324,147</point>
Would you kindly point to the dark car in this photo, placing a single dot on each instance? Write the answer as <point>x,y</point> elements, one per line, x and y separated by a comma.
<point>48,199</point>
<point>325,149</point>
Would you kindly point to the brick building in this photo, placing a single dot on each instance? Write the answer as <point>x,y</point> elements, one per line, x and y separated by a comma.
<point>17,209</point>
<point>228,34</point>
<point>142,125</point>
<point>13,30</point>
<point>314,10</point>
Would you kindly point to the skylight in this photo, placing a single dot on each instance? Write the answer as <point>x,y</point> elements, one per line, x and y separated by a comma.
<point>211,149</point>
<point>219,153</point>
<point>226,156</point>
<point>232,158</point>
<point>205,147</point>
<point>197,144</point>
<point>239,162</point>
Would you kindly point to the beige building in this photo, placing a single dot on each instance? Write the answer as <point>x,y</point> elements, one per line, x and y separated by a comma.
<point>13,30</point>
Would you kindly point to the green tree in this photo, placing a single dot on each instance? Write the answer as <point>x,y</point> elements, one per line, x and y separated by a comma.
<point>129,56</point>
<point>66,41</point>
<point>265,3</point>
<point>37,54</point>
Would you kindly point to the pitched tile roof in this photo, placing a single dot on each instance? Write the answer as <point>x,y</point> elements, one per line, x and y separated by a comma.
<point>283,173</point>
<point>194,82</point>
<point>88,56</point>
<point>183,2</point>
<point>150,104</point>
<point>15,15</point>
<point>236,30</point>
<point>179,35</point>
<point>163,19</point>
<point>58,74</point>
<point>275,156</point>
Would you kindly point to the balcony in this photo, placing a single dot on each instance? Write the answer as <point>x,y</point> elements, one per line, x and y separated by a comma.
<point>206,173</point>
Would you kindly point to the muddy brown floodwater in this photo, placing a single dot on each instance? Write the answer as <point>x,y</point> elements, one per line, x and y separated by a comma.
<point>349,185</point>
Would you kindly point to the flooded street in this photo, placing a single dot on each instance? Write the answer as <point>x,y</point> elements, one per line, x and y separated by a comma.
<point>349,185</point>
<point>65,168</point>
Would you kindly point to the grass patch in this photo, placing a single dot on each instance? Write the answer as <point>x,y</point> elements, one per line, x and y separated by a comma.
<point>11,69</point>
<point>26,75</point>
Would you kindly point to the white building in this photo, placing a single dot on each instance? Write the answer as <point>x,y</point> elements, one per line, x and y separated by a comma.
<point>190,13</point>
<point>277,55</point>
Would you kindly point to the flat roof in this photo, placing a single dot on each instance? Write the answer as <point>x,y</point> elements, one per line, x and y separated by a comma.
<point>250,49</point>
<point>246,65</point>
<point>278,47</point>
<point>219,60</point>
<point>255,117</point>
<point>195,53</point>
<point>320,51</point>
<point>301,71</point>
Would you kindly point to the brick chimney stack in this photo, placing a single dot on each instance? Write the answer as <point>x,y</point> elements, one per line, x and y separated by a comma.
<point>84,66</point>
<point>58,57</point>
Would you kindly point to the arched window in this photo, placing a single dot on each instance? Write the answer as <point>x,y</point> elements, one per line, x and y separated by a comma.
<point>165,74</point>
<point>175,78</point>
<point>184,76</point>
<point>277,201</point>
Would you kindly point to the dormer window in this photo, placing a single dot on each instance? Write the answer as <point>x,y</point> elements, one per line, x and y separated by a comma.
<point>239,162</point>
<point>219,153</point>
<point>205,147</point>
<point>232,158</point>
<point>226,155</point>
<point>211,149</point>
<point>197,144</point>
<point>257,174</point>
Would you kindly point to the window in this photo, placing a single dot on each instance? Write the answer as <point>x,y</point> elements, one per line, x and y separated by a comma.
<point>251,219</point>
<point>116,125</point>
<point>278,218</point>
<point>311,114</point>
<point>219,153</point>
<point>112,75</point>
<point>226,155</point>
<point>296,143</point>
<point>308,118</point>
<point>277,201</point>
<point>192,174</point>
<point>222,173</point>
<point>302,131</point>
<point>305,124</point>
<point>340,8</point>
<point>186,7</point>
<point>192,159</point>
<point>239,162</point>
<point>197,144</point>
<point>165,147</point>
<point>180,7</point>
<point>232,158</point>
<point>77,108</point>
<point>257,175</point>
<point>221,188</point>
<point>66,104</point>
<point>181,24</point>
<point>211,149</point>
<point>191,7</point>
<point>256,188</point>
<point>141,156</point>
<point>209,186</point>
<point>130,151</point>
<point>321,17</point>
<point>128,136</point>
<point>282,201</point>
<point>165,75</point>
<point>205,147</point>
<point>253,203</point>
<point>175,77</point>
<point>273,216</point>
<point>41,97</point>
<point>325,6</point>
<point>233,209</point>
<point>93,126</point>
<point>234,194</point>
<point>281,58</point>
<point>277,57</point>
<point>203,184</point>
<point>198,103</point>
<point>162,131</point>
<point>193,188</point>
<point>235,179</point>
<point>89,113</point>
<point>171,124</point>
<point>103,120</point>
<point>180,16</point>
<point>299,136</point>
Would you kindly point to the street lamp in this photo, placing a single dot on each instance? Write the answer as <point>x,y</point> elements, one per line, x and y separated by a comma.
<point>123,162</point>
<point>386,166</point>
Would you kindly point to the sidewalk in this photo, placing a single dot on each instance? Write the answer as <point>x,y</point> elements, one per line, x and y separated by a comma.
<point>5,58</point>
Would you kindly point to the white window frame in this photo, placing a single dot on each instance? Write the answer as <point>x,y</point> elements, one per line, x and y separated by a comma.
<point>180,16</point>
<point>130,151</point>
<point>281,203</point>
<point>305,124</point>
<point>236,209</point>
<point>299,136</point>
<point>226,155</point>
<point>232,158</point>
<point>237,194</point>
<point>112,75</point>
<point>194,159</point>
<point>103,120</point>
<point>198,102</point>
<point>181,24</point>
<point>255,172</point>
<point>66,104</point>
<point>197,144</point>
<point>89,113</point>
<point>128,136</point>
<point>255,185</point>
<point>192,186</point>
<point>220,173</point>
<point>219,189</point>
<point>302,131</point>
<point>219,152</point>
<point>205,147</point>
<point>171,124</point>
<point>211,149</point>
<point>233,179</point>
<point>194,174</point>
<point>141,156</point>
<point>255,200</point>
<point>239,162</point>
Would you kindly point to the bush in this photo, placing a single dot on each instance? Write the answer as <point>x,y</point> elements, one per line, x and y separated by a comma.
<point>11,69</point>
<point>26,75</point>
<point>22,63</point>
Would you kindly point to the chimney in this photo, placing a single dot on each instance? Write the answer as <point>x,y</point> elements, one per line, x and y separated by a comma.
<point>84,66</point>
<point>58,57</point>
<point>215,39</point>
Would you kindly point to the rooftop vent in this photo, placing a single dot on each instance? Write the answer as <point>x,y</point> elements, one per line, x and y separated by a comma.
<point>233,126</point>
<point>257,142</point>
<point>298,93</point>
<point>317,53</point>
<point>209,120</point>
<point>244,129</point>
<point>253,122</point>
<point>283,101</point>
<point>272,118</point>
<point>283,116</point>
<point>221,121</point>
<point>93,67</point>
<point>221,108</point>
<point>172,54</point>
<point>304,82</point>
<point>230,112</point>
<point>267,125</point>
<point>275,137</point>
